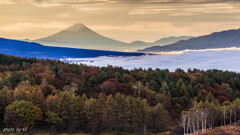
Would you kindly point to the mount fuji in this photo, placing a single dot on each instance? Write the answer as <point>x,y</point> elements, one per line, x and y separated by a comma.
<point>80,36</point>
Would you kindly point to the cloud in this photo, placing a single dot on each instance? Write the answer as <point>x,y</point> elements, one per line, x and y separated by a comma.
<point>200,50</point>
<point>150,10</point>
<point>137,2</point>
<point>140,7</point>
<point>64,15</point>
<point>186,9</point>
<point>38,3</point>
<point>173,1</point>
<point>134,27</point>
<point>52,2</point>
<point>146,20</point>
<point>87,9</point>
<point>30,30</point>
<point>222,59</point>
<point>151,31</point>
<point>213,8</point>
<point>25,26</point>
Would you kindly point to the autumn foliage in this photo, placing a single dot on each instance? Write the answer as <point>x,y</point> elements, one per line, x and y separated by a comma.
<point>69,97</point>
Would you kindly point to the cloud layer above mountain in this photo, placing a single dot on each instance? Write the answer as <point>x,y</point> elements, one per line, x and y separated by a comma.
<point>147,20</point>
<point>121,1</point>
<point>222,59</point>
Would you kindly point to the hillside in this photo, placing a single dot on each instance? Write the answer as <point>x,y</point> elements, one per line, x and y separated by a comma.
<point>31,49</point>
<point>224,39</point>
<point>61,97</point>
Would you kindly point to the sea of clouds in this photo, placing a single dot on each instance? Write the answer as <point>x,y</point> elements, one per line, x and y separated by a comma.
<point>222,59</point>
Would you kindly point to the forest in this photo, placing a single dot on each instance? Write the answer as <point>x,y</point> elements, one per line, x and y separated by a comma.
<point>44,94</point>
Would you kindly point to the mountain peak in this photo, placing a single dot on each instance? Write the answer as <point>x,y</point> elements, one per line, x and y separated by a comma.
<point>80,36</point>
<point>77,27</point>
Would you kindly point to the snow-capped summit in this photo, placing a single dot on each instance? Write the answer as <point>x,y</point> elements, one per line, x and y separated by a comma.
<point>77,27</point>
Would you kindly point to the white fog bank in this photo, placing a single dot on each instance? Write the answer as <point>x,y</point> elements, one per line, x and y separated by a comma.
<point>228,59</point>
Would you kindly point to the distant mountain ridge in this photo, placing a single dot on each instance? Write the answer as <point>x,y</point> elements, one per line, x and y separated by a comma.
<point>171,40</point>
<point>80,36</point>
<point>223,39</point>
<point>31,49</point>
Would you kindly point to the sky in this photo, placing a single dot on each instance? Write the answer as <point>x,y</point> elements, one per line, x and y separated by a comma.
<point>124,20</point>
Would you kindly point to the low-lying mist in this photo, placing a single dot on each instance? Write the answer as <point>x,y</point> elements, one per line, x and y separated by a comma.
<point>222,59</point>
